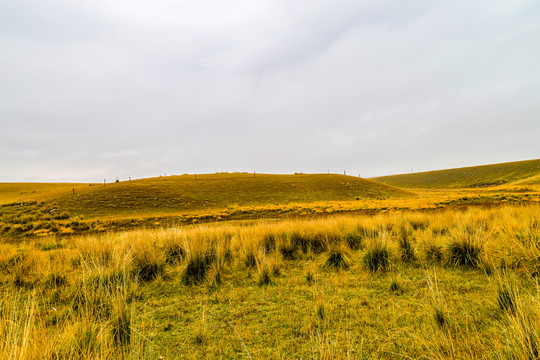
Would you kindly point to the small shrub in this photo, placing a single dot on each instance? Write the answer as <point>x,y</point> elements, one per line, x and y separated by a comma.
<point>377,257</point>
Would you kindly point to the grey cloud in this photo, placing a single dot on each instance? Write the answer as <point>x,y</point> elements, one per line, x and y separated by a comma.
<point>136,88</point>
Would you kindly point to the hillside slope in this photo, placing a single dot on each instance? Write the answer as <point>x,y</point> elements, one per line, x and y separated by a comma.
<point>24,192</point>
<point>214,191</point>
<point>522,172</point>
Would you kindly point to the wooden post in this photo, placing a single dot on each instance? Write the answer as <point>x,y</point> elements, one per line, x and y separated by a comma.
<point>254,174</point>
<point>104,182</point>
<point>73,191</point>
<point>130,179</point>
<point>195,176</point>
<point>343,172</point>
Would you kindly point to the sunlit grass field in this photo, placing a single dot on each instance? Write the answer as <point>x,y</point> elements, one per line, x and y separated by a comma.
<point>451,284</point>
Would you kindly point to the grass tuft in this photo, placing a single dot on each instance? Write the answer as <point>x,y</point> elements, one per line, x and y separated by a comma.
<point>338,258</point>
<point>506,299</point>
<point>354,240</point>
<point>121,325</point>
<point>377,257</point>
<point>463,252</point>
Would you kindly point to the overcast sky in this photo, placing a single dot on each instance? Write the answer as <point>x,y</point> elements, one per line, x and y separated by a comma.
<point>111,89</point>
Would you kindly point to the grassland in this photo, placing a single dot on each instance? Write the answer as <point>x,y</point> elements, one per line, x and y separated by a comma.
<point>67,209</point>
<point>511,173</point>
<point>76,208</point>
<point>434,285</point>
<point>315,267</point>
<point>38,192</point>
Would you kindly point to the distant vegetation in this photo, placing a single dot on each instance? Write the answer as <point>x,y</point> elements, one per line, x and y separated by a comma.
<point>512,173</point>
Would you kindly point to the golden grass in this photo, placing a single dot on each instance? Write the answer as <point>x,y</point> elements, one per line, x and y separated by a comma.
<point>287,289</point>
<point>518,172</point>
<point>25,192</point>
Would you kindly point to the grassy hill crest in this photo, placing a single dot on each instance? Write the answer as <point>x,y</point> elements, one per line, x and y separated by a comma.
<point>517,172</point>
<point>213,191</point>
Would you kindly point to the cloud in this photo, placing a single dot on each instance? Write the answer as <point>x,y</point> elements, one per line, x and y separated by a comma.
<point>137,88</point>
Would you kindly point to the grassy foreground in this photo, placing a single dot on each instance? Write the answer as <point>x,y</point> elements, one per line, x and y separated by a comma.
<point>445,285</point>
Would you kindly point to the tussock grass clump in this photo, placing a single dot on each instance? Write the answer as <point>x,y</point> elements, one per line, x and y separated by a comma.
<point>250,259</point>
<point>287,249</point>
<point>121,324</point>
<point>196,268</point>
<point>310,275</point>
<point>269,242</point>
<point>300,241</point>
<point>377,257</point>
<point>55,279</point>
<point>463,252</point>
<point>86,340</point>
<point>96,251</point>
<point>264,272</point>
<point>434,253</point>
<point>354,240</point>
<point>173,250</point>
<point>406,248</point>
<point>440,318</point>
<point>320,309</point>
<point>148,265</point>
<point>338,258</point>
<point>396,287</point>
<point>507,299</point>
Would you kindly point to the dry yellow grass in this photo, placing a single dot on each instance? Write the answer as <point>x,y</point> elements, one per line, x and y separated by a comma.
<point>266,289</point>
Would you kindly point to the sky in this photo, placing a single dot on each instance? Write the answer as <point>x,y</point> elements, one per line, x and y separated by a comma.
<point>93,90</point>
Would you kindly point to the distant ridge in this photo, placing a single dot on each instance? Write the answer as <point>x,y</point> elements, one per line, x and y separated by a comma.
<point>204,192</point>
<point>518,172</point>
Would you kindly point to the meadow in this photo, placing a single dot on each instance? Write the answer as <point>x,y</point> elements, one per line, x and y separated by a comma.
<point>41,210</point>
<point>439,284</point>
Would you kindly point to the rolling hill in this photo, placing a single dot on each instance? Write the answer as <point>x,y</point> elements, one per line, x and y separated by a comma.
<point>214,191</point>
<point>518,172</point>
